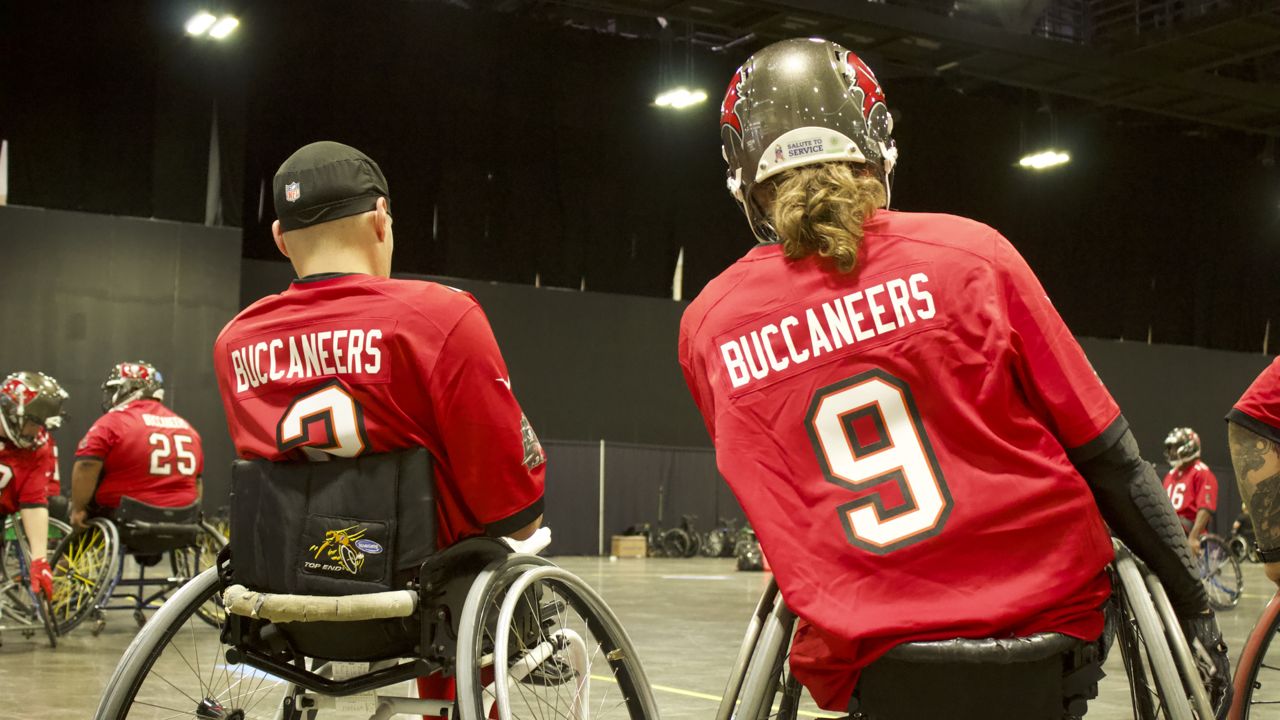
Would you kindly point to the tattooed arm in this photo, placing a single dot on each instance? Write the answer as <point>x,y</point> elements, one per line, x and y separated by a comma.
<point>1257,465</point>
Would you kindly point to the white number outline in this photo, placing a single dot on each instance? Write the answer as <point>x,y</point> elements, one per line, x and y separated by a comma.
<point>6,475</point>
<point>332,405</point>
<point>1177,495</point>
<point>165,451</point>
<point>867,523</point>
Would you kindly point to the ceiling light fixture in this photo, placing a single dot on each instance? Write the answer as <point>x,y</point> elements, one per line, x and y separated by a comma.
<point>680,98</point>
<point>1044,160</point>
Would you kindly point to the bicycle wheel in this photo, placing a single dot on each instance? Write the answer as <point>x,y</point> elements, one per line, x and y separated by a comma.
<point>191,561</point>
<point>565,653</point>
<point>1220,573</point>
<point>177,667</point>
<point>1257,675</point>
<point>675,543</point>
<point>85,567</point>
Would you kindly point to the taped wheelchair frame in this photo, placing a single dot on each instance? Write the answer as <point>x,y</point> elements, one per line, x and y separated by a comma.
<point>1165,680</point>
<point>302,639</point>
<point>89,565</point>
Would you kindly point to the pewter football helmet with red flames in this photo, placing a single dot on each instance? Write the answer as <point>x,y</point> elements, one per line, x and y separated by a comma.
<point>800,102</point>
<point>129,381</point>
<point>30,397</point>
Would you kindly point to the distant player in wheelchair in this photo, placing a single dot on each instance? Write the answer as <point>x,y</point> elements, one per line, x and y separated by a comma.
<point>926,455</point>
<point>30,406</point>
<point>135,493</point>
<point>383,458</point>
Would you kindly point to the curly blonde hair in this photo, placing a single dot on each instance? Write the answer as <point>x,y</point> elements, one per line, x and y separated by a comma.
<point>821,209</point>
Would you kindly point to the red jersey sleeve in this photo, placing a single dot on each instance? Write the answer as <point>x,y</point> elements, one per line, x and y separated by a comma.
<point>497,462</point>
<point>1206,485</point>
<point>1258,410</point>
<point>101,438</point>
<point>1050,365</point>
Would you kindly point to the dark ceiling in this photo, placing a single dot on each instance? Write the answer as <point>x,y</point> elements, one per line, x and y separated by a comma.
<point>1212,62</point>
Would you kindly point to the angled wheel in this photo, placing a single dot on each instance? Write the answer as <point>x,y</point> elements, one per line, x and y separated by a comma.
<point>1155,684</point>
<point>1220,573</point>
<point>564,653</point>
<point>191,561</point>
<point>177,667</point>
<point>675,543</point>
<point>85,567</point>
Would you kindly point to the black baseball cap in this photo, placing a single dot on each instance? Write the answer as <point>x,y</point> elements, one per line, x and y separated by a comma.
<point>326,181</point>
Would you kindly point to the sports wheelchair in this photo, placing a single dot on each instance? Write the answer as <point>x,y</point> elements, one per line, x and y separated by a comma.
<point>89,565</point>
<point>21,609</point>
<point>1044,677</point>
<point>335,594</point>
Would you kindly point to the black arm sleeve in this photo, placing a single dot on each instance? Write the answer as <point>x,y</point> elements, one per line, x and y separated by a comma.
<point>1135,506</point>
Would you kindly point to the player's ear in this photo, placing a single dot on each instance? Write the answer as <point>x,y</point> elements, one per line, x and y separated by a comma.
<point>278,235</point>
<point>381,218</point>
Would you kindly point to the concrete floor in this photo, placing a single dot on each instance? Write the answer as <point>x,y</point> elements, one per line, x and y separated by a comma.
<point>687,618</point>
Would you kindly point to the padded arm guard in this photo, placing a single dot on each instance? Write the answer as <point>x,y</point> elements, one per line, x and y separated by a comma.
<point>1135,506</point>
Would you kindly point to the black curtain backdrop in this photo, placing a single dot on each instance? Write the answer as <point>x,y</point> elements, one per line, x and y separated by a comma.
<point>84,292</point>
<point>573,496</point>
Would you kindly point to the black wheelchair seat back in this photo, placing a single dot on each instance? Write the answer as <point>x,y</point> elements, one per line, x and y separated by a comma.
<point>150,529</point>
<point>340,527</point>
<point>343,527</point>
<point>1047,677</point>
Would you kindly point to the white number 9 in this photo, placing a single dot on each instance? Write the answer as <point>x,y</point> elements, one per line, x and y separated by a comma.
<point>893,449</point>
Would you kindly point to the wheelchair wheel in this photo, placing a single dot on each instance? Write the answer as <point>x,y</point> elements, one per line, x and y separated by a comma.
<point>713,544</point>
<point>177,667</point>
<point>190,562</point>
<point>85,567</point>
<point>1155,687</point>
<point>564,653</point>
<point>1220,573</point>
<point>1257,676</point>
<point>676,543</point>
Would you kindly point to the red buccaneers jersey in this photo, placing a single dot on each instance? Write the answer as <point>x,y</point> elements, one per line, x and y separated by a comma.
<point>1259,408</point>
<point>148,452</point>
<point>348,364</point>
<point>1192,488</point>
<point>898,439</point>
<point>25,474</point>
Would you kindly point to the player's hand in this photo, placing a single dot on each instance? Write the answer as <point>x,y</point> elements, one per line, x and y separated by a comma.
<point>1210,653</point>
<point>1193,544</point>
<point>80,519</point>
<point>41,578</point>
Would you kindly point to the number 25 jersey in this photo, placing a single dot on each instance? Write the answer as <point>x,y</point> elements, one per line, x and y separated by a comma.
<point>899,438</point>
<point>347,364</point>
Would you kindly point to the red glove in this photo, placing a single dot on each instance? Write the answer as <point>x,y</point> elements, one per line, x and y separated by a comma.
<point>41,578</point>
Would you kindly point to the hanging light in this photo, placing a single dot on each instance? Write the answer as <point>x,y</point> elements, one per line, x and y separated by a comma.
<point>680,98</point>
<point>200,23</point>
<point>1044,160</point>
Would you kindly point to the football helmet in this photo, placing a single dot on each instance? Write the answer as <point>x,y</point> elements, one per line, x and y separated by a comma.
<point>129,381</point>
<point>30,397</point>
<point>1181,446</point>
<point>800,102</point>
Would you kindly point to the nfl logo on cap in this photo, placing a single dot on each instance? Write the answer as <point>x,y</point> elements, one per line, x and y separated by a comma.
<point>292,192</point>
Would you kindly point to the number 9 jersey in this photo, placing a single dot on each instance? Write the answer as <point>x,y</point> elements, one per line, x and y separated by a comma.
<point>899,440</point>
<point>148,453</point>
<point>346,364</point>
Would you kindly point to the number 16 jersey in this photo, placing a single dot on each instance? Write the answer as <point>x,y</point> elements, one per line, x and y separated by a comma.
<point>899,438</point>
<point>346,364</point>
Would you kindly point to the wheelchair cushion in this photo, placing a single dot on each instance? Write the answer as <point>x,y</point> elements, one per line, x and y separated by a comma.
<point>150,529</point>
<point>340,527</point>
<point>1002,651</point>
